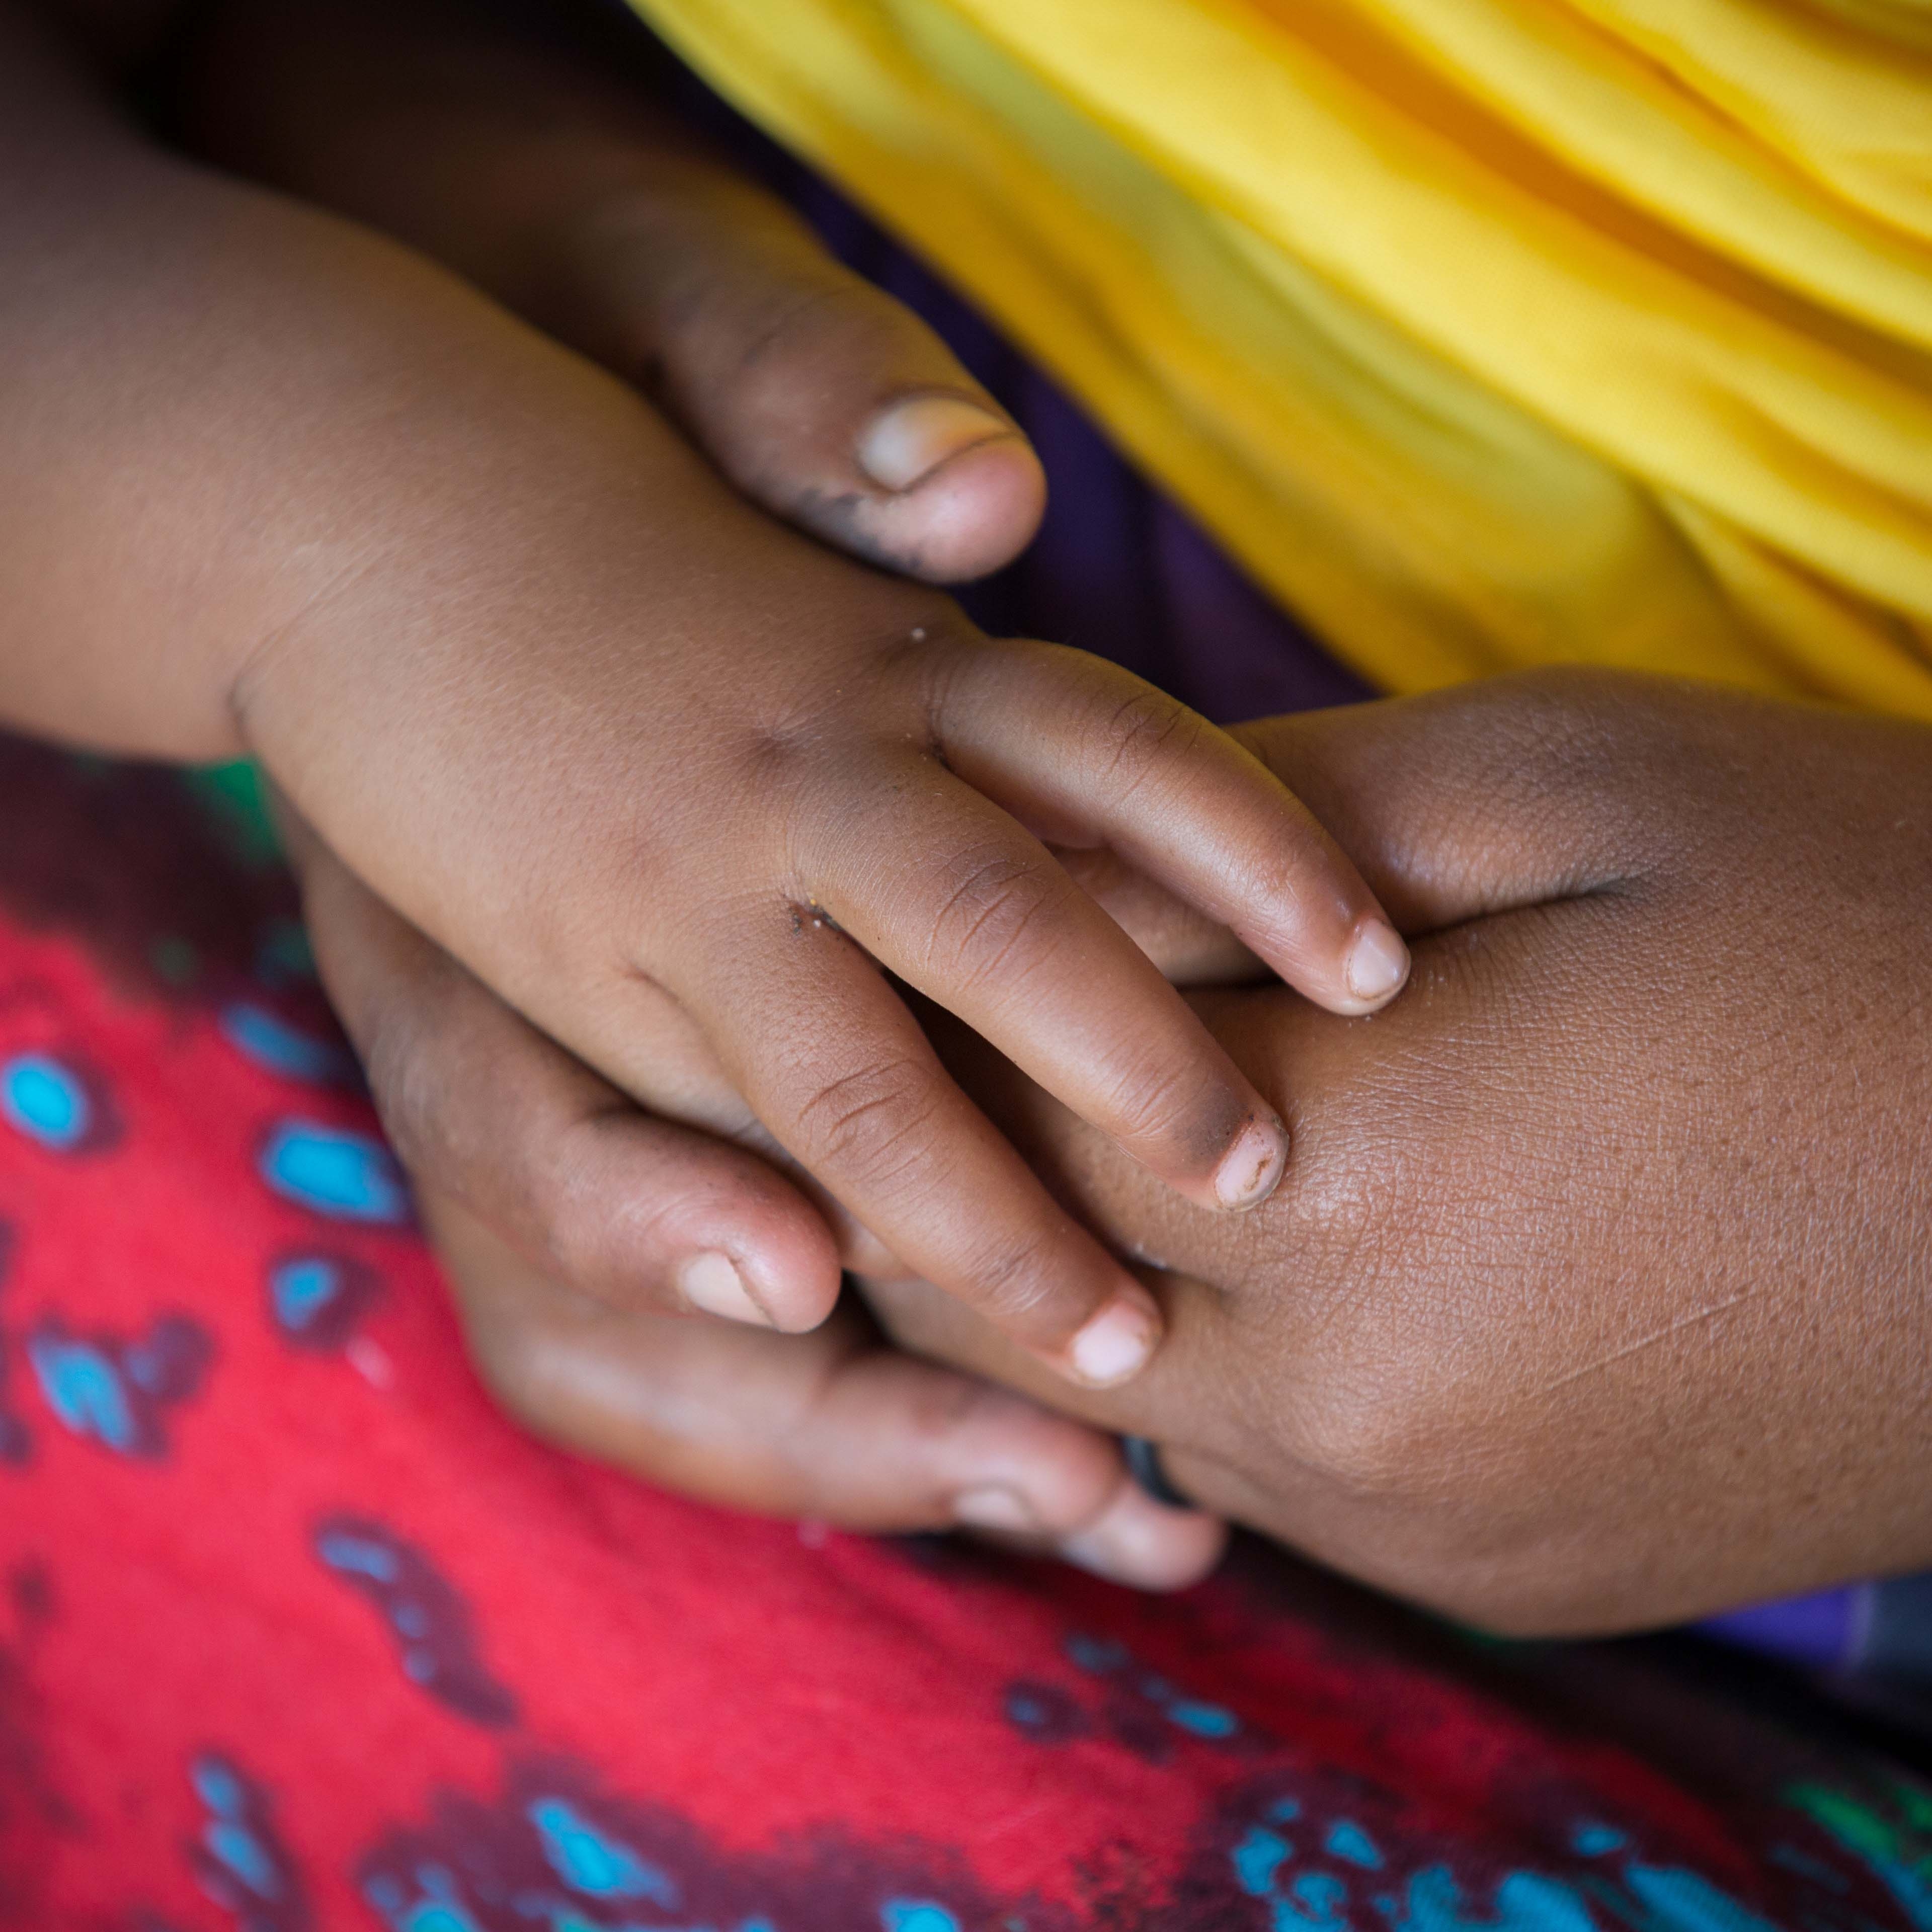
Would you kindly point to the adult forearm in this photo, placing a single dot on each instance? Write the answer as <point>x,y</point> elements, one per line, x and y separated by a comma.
<point>489,146</point>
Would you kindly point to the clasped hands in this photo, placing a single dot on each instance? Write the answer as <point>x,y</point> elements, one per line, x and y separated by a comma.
<point>1594,1293</point>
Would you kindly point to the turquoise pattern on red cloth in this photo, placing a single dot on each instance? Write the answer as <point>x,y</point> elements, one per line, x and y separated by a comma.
<point>297,1631</point>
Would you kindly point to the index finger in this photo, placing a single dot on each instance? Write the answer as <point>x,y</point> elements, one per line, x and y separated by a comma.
<point>1082,751</point>
<point>940,885</point>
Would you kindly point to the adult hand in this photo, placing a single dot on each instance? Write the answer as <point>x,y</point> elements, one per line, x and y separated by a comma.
<point>557,182</point>
<point>1597,1294</point>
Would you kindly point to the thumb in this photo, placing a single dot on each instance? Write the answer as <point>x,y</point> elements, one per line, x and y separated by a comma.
<point>821,396</point>
<point>581,202</point>
<point>1488,797</point>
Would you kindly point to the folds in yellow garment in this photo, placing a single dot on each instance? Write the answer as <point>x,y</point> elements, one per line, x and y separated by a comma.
<point>1485,332</point>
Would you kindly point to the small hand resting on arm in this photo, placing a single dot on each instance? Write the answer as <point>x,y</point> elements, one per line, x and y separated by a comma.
<point>1597,1294</point>
<point>1594,1296</point>
<point>614,739</point>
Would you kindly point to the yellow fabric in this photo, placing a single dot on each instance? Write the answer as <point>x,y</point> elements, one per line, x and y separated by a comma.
<point>1485,332</point>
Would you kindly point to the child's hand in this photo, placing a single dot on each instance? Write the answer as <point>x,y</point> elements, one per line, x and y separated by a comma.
<point>705,763</point>
<point>828,403</point>
<point>567,1218</point>
<point>568,1223</point>
<point>612,736</point>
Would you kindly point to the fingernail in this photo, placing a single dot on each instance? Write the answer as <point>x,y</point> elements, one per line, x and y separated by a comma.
<point>1116,1343</point>
<point>996,1506</point>
<point>1377,962</point>
<point>711,1281</point>
<point>1134,1541</point>
<point>1252,1168</point>
<point>904,445</point>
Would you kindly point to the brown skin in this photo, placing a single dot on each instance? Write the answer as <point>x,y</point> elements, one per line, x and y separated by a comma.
<point>563,191</point>
<point>1595,1297</point>
<point>273,485</point>
<point>562,1211</point>
<point>558,1207</point>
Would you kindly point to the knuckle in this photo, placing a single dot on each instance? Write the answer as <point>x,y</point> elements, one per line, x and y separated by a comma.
<point>1156,1103</point>
<point>608,1239</point>
<point>1293,870</point>
<point>943,1410</point>
<point>1145,732</point>
<point>865,1125</point>
<point>776,754</point>
<point>792,320</point>
<point>809,342</point>
<point>993,903</point>
<point>1012,1279</point>
<point>573,1225</point>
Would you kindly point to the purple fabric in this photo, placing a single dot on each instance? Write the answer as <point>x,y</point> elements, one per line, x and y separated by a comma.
<point>1821,1632</point>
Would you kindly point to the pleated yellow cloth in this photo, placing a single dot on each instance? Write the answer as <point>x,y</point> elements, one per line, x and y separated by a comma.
<point>1485,332</point>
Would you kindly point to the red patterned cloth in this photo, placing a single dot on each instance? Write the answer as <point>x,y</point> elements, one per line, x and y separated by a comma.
<point>297,1631</point>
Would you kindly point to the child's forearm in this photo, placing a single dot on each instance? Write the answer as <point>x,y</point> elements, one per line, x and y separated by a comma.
<point>148,535</point>
<point>217,409</point>
<point>82,213</point>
